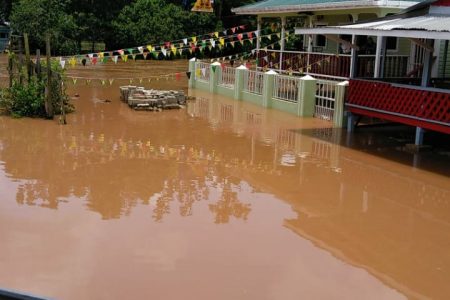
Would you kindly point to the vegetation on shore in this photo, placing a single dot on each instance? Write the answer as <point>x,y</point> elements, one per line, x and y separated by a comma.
<point>118,24</point>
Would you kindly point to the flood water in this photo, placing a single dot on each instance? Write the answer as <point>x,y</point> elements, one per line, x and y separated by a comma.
<point>221,200</point>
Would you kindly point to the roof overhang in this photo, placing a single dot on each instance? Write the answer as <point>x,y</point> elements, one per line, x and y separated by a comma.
<point>254,10</point>
<point>420,34</point>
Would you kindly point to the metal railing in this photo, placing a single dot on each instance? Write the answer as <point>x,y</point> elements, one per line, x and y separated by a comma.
<point>202,71</point>
<point>325,99</point>
<point>228,77</point>
<point>286,88</point>
<point>253,82</point>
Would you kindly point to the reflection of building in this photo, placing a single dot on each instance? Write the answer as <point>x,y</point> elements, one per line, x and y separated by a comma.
<point>368,212</point>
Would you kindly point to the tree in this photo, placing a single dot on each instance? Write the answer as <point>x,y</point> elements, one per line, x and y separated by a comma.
<point>5,9</point>
<point>39,17</point>
<point>155,21</point>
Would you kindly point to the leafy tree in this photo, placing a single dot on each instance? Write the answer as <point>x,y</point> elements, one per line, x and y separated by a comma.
<point>5,9</point>
<point>154,21</point>
<point>39,17</point>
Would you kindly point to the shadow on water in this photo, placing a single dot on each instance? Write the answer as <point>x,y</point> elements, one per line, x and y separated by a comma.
<point>389,142</point>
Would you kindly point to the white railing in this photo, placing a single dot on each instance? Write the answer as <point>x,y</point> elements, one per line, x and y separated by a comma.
<point>228,77</point>
<point>325,99</point>
<point>286,88</point>
<point>253,82</point>
<point>202,71</point>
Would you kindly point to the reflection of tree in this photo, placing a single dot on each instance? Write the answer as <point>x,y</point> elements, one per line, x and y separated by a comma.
<point>228,206</point>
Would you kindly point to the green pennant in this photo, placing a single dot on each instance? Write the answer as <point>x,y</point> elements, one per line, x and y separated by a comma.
<point>214,68</point>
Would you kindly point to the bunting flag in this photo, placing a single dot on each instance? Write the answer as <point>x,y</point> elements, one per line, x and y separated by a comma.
<point>73,62</point>
<point>124,57</point>
<point>149,48</point>
<point>188,74</point>
<point>141,49</point>
<point>115,59</point>
<point>185,41</point>
<point>111,81</point>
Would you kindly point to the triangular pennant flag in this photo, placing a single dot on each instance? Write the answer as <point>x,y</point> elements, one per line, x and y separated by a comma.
<point>214,68</point>
<point>124,58</point>
<point>90,55</point>
<point>111,81</point>
<point>240,36</point>
<point>233,29</point>
<point>145,54</point>
<point>278,35</point>
<point>216,34</point>
<point>141,80</point>
<point>167,44</point>
<point>209,47</point>
<point>74,80</point>
<point>185,41</point>
<point>224,32</point>
<point>149,48</point>
<point>174,50</point>
<point>131,80</point>
<point>103,81</point>
<point>101,55</point>
<point>222,41</point>
<point>180,51</point>
<point>164,51</point>
<point>94,61</point>
<point>115,59</point>
<point>72,61</point>
<point>194,39</point>
<point>88,81</point>
<point>242,27</point>
<point>250,35</point>
<point>62,63</point>
<point>213,42</point>
<point>105,60</point>
<point>133,56</point>
<point>257,33</point>
<point>130,51</point>
<point>121,52</point>
<point>141,49</point>
<point>232,44</point>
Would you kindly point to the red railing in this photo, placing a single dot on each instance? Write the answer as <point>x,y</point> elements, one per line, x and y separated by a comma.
<point>426,108</point>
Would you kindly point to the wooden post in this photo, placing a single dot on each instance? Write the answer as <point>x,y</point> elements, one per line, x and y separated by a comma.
<point>10,68</point>
<point>62,117</point>
<point>27,57</point>
<point>38,64</point>
<point>20,60</point>
<point>48,99</point>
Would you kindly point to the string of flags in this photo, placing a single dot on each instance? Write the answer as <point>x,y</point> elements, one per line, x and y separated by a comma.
<point>167,48</point>
<point>131,80</point>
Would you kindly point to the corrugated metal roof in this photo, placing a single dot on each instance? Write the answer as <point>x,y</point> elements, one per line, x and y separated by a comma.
<point>439,23</point>
<point>272,6</point>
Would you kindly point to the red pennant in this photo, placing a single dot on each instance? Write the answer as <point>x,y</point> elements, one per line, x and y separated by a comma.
<point>167,44</point>
<point>233,29</point>
<point>242,27</point>
<point>250,35</point>
<point>94,60</point>
<point>240,36</point>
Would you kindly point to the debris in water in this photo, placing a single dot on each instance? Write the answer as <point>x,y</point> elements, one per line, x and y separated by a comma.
<point>139,98</point>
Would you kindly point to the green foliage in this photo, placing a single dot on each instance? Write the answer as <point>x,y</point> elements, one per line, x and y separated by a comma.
<point>39,17</point>
<point>27,99</point>
<point>154,21</point>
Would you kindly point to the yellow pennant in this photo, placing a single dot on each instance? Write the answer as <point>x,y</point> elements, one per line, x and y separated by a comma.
<point>216,34</point>
<point>194,39</point>
<point>111,81</point>
<point>222,41</point>
<point>150,48</point>
<point>124,57</point>
<point>73,61</point>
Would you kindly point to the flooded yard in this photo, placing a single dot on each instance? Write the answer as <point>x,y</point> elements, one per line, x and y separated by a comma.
<point>220,200</point>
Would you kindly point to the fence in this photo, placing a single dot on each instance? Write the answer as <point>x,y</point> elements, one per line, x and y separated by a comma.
<point>228,77</point>
<point>253,82</point>
<point>325,99</point>
<point>286,88</point>
<point>202,71</point>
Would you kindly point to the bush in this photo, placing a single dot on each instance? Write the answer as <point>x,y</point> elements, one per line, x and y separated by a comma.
<point>26,100</point>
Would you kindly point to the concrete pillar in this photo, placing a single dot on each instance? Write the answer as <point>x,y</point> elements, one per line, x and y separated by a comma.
<point>339,104</point>
<point>269,81</point>
<point>192,62</point>
<point>307,96</point>
<point>427,64</point>
<point>379,57</point>
<point>350,122</point>
<point>239,82</point>
<point>283,40</point>
<point>354,53</point>
<point>419,136</point>
<point>214,73</point>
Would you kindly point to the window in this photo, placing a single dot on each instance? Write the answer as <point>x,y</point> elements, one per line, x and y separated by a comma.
<point>391,43</point>
<point>320,40</point>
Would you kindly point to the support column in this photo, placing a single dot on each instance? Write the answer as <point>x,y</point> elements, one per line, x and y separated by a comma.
<point>379,57</point>
<point>307,96</point>
<point>283,40</point>
<point>239,82</point>
<point>427,65</point>
<point>419,136</point>
<point>269,81</point>
<point>354,52</point>
<point>192,62</point>
<point>310,43</point>
<point>258,34</point>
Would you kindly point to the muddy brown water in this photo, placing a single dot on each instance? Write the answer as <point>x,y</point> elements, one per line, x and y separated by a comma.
<point>221,200</point>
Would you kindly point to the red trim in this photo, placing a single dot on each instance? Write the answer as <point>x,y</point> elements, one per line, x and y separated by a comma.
<point>403,120</point>
<point>441,3</point>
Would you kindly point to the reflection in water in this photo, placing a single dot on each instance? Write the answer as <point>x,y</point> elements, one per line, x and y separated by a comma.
<point>283,190</point>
